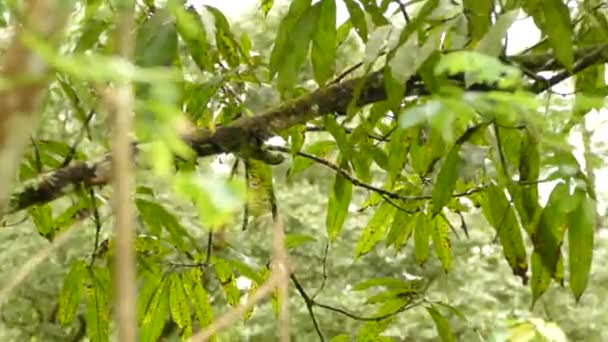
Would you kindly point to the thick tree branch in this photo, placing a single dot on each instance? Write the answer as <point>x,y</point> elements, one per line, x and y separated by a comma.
<point>246,134</point>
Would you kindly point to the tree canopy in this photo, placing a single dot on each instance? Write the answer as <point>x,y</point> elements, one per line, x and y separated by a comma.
<point>165,137</point>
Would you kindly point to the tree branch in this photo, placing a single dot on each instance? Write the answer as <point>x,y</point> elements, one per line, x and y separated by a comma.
<point>246,134</point>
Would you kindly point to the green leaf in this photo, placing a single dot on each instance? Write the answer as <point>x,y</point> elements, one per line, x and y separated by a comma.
<point>340,338</point>
<point>549,234</point>
<point>421,238</point>
<point>266,6</point>
<point>42,216</point>
<point>581,229</point>
<point>375,230</point>
<point>337,206</point>
<point>319,149</point>
<point>295,240</point>
<point>226,43</point>
<point>198,297</point>
<point>157,217</point>
<point>97,308</point>
<point>338,132</point>
<point>441,324</point>
<point>178,305</point>
<point>529,171</point>
<point>408,58</point>
<point>192,30</point>
<point>284,34</point>
<point>441,242</point>
<point>156,313</point>
<point>501,216</point>
<point>446,179</point>
<point>156,41</point>
<point>391,283</point>
<point>227,281</point>
<point>553,18</point>
<point>492,42</point>
<point>541,277</point>
<point>401,229</point>
<point>71,293</point>
<point>357,18</point>
<point>323,53</point>
<point>479,17</point>
<point>559,30</point>
<point>260,188</point>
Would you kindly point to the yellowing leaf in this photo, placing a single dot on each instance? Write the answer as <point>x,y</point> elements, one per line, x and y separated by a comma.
<point>178,304</point>
<point>198,297</point>
<point>441,242</point>
<point>421,238</point>
<point>541,277</point>
<point>227,281</point>
<point>156,313</point>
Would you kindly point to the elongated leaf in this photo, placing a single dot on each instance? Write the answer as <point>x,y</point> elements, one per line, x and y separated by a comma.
<point>71,293</point>
<point>375,230</point>
<point>337,207</point>
<point>266,6</point>
<point>156,313</point>
<point>42,215</point>
<point>421,238</point>
<point>479,15</point>
<point>199,298</point>
<point>260,188</point>
<point>323,51</point>
<point>541,277</point>
<point>529,171</point>
<point>357,18</point>
<point>501,216</point>
<point>581,228</point>
<point>446,180</point>
<point>178,304</point>
<point>441,242</point>
<point>553,18</point>
<point>441,324</point>
<point>228,281</point>
<point>318,149</point>
<point>156,42</point>
<point>401,229</point>
<point>392,283</point>
<point>549,234</point>
<point>97,309</point>
<point>191,29</point>
<point>492,42</point>
<point>226,43</point>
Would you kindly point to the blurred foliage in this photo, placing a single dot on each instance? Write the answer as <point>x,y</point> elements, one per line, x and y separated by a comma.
<point>411,219</point>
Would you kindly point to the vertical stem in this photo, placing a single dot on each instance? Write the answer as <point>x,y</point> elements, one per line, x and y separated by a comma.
<point>281,269</point>
<point>122,176</point>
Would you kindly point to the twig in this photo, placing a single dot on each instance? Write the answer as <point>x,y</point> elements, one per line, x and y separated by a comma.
<point>403,11</point>
<point>97,221</point>
<point>324,278</point>
<point>309,306</point>
<point>72,152</point>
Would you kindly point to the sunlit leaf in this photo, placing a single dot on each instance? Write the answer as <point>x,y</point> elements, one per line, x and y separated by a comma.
<point>441,324</point>
<point>156,313</point>
<point>357,17</point>
<point>199,298</point>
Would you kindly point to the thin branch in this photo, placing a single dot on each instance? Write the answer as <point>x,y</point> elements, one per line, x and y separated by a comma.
<point>72,151</point>
<point>403,11</point>
<point>310,302</point>
<point>309,306</point>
